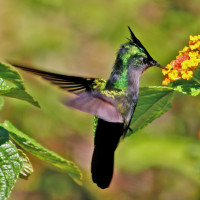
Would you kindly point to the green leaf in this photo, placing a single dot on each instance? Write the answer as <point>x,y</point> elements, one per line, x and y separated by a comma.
<point>7,73</point>
<point>33,147</point>
<point>10,164</point>
<point>27,168</point>
<point>16,90</point>
<point>152,103</point>
<point>19,94</point>
<point>171,152</point>
<point>189,87</point>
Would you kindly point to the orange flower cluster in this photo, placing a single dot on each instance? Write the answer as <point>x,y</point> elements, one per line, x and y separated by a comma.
<point>185,63</point>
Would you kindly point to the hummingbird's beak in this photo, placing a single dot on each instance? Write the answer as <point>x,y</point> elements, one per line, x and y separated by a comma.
<point>156,64</point>
<point>162,67</point>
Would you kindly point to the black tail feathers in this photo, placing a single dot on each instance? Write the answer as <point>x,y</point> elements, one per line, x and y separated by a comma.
<point>106,140</point>
<point>102,167</point>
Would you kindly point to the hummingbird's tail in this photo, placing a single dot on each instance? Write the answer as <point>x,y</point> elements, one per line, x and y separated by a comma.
<point>106,140</point>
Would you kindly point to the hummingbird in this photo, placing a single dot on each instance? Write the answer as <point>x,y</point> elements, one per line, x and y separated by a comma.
<point>112,102</point>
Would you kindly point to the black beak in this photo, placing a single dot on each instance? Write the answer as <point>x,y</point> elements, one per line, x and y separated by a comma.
<point>156,64</point>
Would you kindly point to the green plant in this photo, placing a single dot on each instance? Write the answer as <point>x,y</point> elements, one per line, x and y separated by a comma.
<point>153,102</point>
<point>13,160</point>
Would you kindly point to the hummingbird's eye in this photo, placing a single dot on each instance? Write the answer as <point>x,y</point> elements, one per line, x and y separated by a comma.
<point>144,60</point>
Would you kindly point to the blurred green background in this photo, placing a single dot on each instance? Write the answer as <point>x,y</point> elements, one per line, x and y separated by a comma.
<point>76,37</point>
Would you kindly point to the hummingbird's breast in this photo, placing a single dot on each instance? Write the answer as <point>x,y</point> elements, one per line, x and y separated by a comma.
<point>126,86</point>
<point>131,99</point>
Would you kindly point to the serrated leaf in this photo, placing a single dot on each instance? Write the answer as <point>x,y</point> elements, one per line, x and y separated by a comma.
<point>27,168</point>
<point>19,94</point>
<point>7,73</point>
<point>33,147</point>
<point>152,103</point>
<point>4,85</point>
<point>17,91</point>
<point>189,87</point>
<point>10,164</point>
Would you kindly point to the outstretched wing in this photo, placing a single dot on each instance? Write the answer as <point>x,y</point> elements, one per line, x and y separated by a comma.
<point>73,84</point>
<point>97,104</point>
<point>88,100</point>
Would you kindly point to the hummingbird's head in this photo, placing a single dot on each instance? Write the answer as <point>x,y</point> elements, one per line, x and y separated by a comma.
<point>134,53</point>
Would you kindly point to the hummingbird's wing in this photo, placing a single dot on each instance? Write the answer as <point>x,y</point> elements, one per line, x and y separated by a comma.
<point>89,100</point>
<point>97,104</point>
<point>73,84</point>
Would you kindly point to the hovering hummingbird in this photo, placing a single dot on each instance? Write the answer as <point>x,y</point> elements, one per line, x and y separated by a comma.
<point>112,102</point>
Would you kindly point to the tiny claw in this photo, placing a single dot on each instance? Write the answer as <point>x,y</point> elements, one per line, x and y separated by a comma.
<point>130,129</point>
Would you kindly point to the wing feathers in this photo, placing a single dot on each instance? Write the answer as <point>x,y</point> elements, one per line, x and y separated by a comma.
<point>88,100</point>
<point>98,105</point>
<point>69,83</point>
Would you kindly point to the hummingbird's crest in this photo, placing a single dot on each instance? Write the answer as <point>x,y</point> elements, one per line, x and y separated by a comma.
<point>137,42</point>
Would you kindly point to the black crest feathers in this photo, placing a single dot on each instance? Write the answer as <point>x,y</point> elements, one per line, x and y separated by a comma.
<point>137,42</point>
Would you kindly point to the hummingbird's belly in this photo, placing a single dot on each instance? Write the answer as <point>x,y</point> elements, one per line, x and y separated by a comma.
<point>126,106</point>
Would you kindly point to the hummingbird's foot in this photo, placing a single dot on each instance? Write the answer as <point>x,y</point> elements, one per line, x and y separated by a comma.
<point>130,129</point>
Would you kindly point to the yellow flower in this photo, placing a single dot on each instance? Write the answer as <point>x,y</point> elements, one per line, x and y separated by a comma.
<point>194,54</point>
<point>167,69</point>
<point>187,74</point>
<point>194,38</point>
<point>194,42</point>
<point>173,75</point>
<point>166,81</point>
<point>195,45</point>
<point>185,63</point>
<point>193,62</point>
<point>185,49</point>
